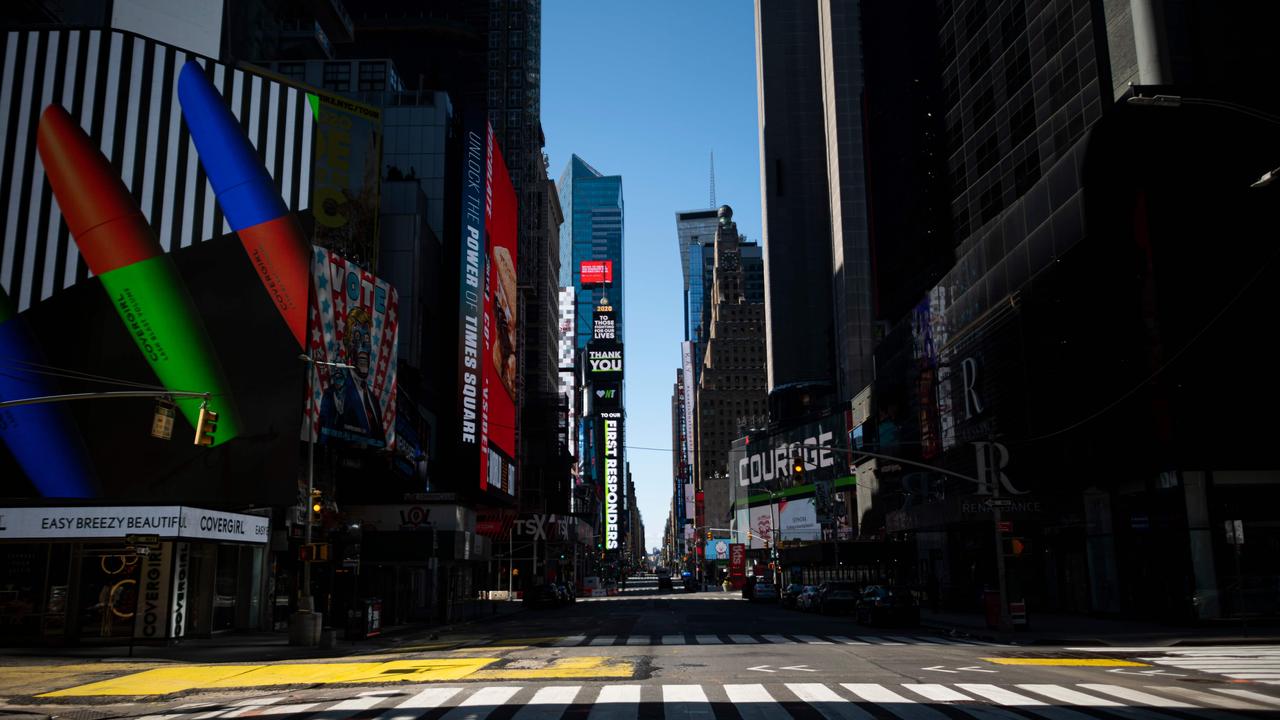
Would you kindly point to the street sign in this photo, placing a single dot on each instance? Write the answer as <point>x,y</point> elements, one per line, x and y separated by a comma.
<point>142,550</point>
<point>1002,503</point>
<point>142,539</point>
<point>1005,526</point>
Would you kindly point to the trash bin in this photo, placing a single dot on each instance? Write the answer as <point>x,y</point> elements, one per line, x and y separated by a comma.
<point>365,619</point>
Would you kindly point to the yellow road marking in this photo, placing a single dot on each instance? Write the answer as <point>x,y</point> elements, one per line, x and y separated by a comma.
<point>572,667</point>
<point>1067,662</point>
<point>31,679</point>
<point>162,681</point>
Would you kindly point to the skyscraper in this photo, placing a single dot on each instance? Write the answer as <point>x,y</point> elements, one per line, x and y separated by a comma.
<point>593,230</point>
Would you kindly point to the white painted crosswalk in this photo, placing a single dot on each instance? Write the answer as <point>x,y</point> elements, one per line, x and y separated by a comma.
<point>745,639</point>
<point>1254,663</point>
<point>845,700</point>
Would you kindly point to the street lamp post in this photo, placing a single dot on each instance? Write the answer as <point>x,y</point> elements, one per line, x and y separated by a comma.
<point>305,630</point>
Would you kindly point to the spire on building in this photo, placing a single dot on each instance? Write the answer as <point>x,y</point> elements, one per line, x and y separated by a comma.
<point>713,179</point>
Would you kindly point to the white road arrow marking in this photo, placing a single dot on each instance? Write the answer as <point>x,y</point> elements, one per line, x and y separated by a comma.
<point>939,668</point>
<point>1165,673</point>
<point>801,668</point>
<point>761,668</point>
<point>975,668</point>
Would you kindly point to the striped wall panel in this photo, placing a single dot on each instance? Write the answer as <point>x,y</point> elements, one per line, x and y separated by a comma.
<point>122,89</point>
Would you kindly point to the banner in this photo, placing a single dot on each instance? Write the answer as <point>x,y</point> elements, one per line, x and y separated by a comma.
<point>604,322</point>
<point>354,344</point>
<point>500,326</point>
<point>686,352</point>
<point>767,458</point>
<point>737,560</point>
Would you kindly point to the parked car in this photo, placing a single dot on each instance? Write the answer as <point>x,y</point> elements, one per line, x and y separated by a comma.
<point>664,583</point>
<point>836,598</point>
<point>541,595</point>
<point>884,605</point>
<point>765,591</point>
<point>808,598</point>
<point>790,594</point>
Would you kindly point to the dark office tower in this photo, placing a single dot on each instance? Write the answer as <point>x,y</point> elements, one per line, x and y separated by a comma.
<point>795,209</point>
<point>731,398</point>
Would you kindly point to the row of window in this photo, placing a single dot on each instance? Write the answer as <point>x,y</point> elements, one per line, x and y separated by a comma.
<point>337,75</point>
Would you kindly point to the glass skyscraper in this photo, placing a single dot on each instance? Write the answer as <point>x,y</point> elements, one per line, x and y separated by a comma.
<point>592,205</point>
<point>696,230</point>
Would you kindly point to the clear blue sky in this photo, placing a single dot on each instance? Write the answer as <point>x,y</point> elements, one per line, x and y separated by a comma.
<point>647,90</point>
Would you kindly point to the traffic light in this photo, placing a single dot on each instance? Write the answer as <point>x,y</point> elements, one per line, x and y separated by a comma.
<point>708,536</point>
<point>315,552</point>
<point>797,464</point>
<point>206,426</point>
<point>316,502</point>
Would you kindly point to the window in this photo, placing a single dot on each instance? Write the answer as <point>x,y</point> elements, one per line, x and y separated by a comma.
<point>991,200</point>
<point>515,39</point>
<point>987,153</point>
<point>293,70</point>
<point>495,38</point>
<point>515,57</point>
<point>515,97</point>
<point>513,119</point>
<point>1027,171</point>
<point>373,76</point>
<point>337,76</point>
<point>495,56</point>
<point>495,97</point>
<point>495,78</point>
<point>515,78</point>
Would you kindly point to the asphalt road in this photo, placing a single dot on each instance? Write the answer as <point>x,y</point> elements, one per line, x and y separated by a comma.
<point>646,654</point>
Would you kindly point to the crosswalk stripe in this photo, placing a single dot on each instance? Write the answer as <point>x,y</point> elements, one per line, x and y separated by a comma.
<point>292,709</point>
<point>826,701</point>
<point>603,640</point>
<point>618,694</point>
<point>570,641</point>
<point>426,700</point>
<point>753,701</point>
<point>1207,698</point>
<point>672,639</point>
<point>871,692</point>
<point>708,640</point>
<point>812,640</point>
<point>687,695</point>
<point>637,639</point>
<point>1135,696</point>
<point>1254,676</point>
<point>871,640</point>
<point>776,639</point>
<point>935,692</point>
<point>1248,694</point>
<point>743,639</point>
<point>999,695</point>
<point>1069,696</point>
<point>846,640</point>
<point>487,697</point>
<point>549,703</point>
<point>900,638</point>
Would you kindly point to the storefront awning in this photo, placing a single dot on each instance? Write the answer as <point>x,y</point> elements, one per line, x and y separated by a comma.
<point>166,522</point>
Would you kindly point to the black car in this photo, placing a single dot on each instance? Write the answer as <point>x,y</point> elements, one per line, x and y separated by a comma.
<point>884,605</point>
<point>541,595</point>
<point>835,598</point>
<point>790,594</point>
<point>664,583</point>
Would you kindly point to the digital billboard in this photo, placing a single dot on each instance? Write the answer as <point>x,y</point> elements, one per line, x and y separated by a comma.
<point>604,322</point>
<point>595,272</point>
<point>767,459</point>
<point>165,250</point>
<point>500,323</point>
<point>611,469</point>
<point>354,342</point>
<point>686,356</point>
<point>472,270</point>
<point>604,363</point>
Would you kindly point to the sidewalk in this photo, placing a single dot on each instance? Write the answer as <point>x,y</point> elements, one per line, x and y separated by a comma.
<point>266,646</point>
<point>1051,629</point>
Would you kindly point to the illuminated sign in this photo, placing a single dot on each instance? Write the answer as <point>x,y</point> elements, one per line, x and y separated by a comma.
<point>611,455</point>
<point>596,272</point>
<point>604,362</point>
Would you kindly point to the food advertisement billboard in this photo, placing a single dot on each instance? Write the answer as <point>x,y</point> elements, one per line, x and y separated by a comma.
<point>500,322</point>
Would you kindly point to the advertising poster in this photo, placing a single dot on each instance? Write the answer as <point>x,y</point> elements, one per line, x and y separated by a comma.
<point>604,322</point>
<point>354,322</point>
<point>737,560</point>
<point>686,352</point>
<point>167,249</point>
<point>718,549</point>
<point>760,523</point>
<point>347,175</point>
<point>500,324</point>
<point>797,520</point>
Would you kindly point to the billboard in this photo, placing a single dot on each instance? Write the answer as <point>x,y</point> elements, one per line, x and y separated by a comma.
<point>767,459</point>
<point>354,342</point>
<point>347,175</point>
<point>604,363</point>
<point>737,560</point>
<point>686,356</point>
<point>604,322</point>
<point>472,271</point>
<point>501,301</point>
<point>760,525</point>
<point>718,549</point>
<point>611,466</point>
<point>798,519</point>
<point>596,272</point>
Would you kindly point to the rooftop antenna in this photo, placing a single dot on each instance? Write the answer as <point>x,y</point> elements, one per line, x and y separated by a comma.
<point>713,179</point>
